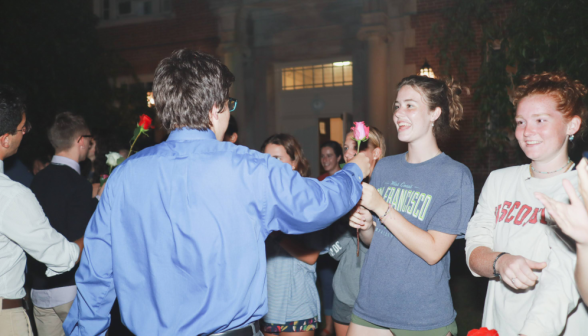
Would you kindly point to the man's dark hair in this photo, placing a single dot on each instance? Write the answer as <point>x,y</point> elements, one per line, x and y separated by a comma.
<point>186,86</point>
<point>12,108</point>
<point>66,129</point>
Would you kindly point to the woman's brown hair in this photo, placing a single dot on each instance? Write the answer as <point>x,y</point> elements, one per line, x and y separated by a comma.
<point>293,149</point>
<point>438,93</point>
<point>568,94</point>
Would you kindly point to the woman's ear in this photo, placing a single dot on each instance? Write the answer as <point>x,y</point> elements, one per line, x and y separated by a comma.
<point>377,153</point>
<point>574,125</point>
<point>436,114</point>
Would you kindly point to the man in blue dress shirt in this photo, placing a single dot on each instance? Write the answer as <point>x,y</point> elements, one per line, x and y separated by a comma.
<point>179,232</point>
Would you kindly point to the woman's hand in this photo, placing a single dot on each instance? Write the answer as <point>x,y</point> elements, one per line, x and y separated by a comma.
<point>372,200</point>
<point>361,218</point>
<point>517,271</point>
<point>571,218</point>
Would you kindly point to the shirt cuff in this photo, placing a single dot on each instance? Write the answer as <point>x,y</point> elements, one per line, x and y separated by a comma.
<point>354,170</point>
<point>74,255</point>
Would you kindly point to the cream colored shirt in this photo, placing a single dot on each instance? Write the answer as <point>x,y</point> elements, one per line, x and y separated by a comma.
<point>509,218</point>
<point>25,228</point>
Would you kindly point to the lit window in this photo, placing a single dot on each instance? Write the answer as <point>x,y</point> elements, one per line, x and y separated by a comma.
<point>317,76</point>
<point>113,10</point>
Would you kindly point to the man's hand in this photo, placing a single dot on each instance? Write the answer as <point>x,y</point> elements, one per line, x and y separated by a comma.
<point>517,271</point>
<point>361,218</point>
<point>101,190</point>
<point>363,162</point>
<point>80,243</point>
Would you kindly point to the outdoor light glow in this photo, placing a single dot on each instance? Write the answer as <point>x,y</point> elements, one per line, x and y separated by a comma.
<point>341,63</point>
<point>427,71</point>
<point>150,100</point>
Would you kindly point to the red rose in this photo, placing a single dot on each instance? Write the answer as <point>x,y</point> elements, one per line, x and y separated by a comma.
<point>145,121</point>
<point>483,332</point>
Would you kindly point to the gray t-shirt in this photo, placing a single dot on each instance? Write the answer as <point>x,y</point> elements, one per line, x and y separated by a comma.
<point>398,289</point>
<point>346,279</point>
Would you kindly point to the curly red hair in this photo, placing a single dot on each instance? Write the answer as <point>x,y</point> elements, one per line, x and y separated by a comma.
<point>568,94</point>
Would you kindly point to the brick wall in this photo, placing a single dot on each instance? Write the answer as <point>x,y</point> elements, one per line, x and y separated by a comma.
<point>460,145</point>
<point>143,45</point>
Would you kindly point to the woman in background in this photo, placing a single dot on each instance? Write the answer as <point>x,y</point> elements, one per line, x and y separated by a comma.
<point>344,249</point>
<point>331,158</point>
<point>293,300</point>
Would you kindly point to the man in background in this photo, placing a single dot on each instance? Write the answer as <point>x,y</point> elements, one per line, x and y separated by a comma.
<point>66,198</point>
<point>23,226</point>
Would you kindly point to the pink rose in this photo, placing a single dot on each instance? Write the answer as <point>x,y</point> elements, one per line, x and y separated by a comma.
<point>360,132</point>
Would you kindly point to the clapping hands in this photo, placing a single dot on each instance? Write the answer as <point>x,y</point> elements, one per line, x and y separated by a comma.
<point>571,218</point>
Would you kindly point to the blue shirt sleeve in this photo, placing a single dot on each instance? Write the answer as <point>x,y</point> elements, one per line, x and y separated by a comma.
<point>90,312</point>
<point>297,205</point>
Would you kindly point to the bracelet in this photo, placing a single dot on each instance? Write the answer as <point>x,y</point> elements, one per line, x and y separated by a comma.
<point>386,213</point>
<point>494,265</point>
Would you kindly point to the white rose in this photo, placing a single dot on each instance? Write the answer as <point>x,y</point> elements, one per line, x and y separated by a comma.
<point>112,159</point>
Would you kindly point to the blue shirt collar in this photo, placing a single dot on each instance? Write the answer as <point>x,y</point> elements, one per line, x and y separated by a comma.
<point>62,160</point>
<point>1,167</point>
<point>184,134</point>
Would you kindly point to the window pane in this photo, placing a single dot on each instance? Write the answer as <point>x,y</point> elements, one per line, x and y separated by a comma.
<point>308,78</point>
<point>348,74</point>
<point>124,7</point>
<point>289,77</point>
<point>148,7</point>
<point>166,6</point>
<point>318,76</point>
<point>328,76</point>
<point>338,74</point>
<point>299,78</point>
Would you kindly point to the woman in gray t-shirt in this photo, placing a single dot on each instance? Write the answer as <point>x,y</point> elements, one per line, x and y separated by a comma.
<point>423,200</point>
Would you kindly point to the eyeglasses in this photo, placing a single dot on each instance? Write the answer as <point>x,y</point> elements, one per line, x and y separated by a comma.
<point>26,128</point>
<point>85,136</point>
<point>232,104</point>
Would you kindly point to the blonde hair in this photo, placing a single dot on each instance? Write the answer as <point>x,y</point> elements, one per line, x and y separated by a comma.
<point>375,140</point>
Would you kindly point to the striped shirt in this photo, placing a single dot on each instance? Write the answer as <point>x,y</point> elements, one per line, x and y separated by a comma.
<point>291,285</point>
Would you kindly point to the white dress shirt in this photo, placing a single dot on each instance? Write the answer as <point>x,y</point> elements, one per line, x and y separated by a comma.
<point>49,298</point>
<point>24,227</point>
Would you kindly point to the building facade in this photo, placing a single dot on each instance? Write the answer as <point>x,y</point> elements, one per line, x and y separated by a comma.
<point>308,68</point>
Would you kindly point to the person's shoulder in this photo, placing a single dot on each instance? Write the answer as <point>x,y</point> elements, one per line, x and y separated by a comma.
<point>456,167</point>
<point>392,159</point>
<point>508,172</point>
<point>54,172</point>
<point>10,189</point>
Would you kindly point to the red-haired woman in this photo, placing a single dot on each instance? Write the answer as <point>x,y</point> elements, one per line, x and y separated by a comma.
<point>531,289</point>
